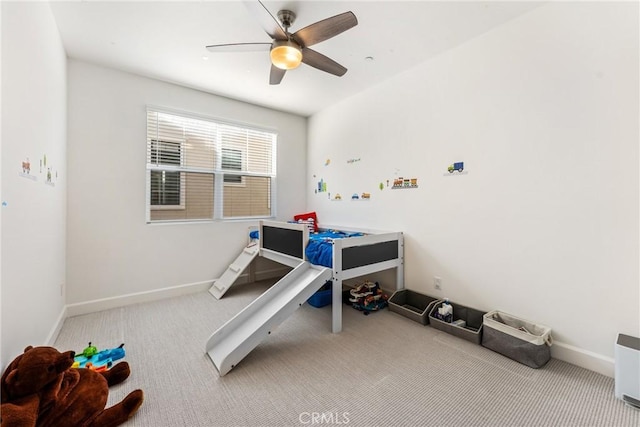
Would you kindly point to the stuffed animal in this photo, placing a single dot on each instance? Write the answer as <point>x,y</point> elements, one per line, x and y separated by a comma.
<point>39,388</point>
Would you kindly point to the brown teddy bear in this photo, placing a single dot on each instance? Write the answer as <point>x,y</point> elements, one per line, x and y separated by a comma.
<point>39,388</point>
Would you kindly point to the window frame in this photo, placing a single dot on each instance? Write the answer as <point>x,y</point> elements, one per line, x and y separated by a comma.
<point>269,137</point>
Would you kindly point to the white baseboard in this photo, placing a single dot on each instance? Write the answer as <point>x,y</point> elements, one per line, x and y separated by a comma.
<point>53,335</point>
<point>93,306</point>
<point>583,358</point>
<point>135,298</point>
<point>561,351</point>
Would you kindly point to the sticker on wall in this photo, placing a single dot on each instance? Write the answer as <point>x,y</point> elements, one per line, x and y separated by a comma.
<point>352,161</point>
<point>49,180</point>
<point>401,183</point>
<point>361,197</point>
<point>321,187</point>
<point>336,198</point>
<point>327,162</point>
<point>50,174</point>
<point>25,170</point>
<point>381,186</point>
<point>456,168</point>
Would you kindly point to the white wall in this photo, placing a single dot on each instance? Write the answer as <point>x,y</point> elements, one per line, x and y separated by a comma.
<point>544,113</point>
<point>111,250</point>
<point>33,221</point>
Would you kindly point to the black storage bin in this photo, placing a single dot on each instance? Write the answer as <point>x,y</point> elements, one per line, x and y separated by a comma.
<point>472,331</point>
<point>518,339</point>
<point>411,304</point>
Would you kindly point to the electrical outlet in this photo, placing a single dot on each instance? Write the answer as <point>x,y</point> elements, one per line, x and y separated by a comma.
<point>437,283</point>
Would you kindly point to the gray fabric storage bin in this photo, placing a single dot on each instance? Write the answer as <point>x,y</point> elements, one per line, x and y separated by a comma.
<point>516,338</point>
<point>411,304</point>
<point>472,331</point>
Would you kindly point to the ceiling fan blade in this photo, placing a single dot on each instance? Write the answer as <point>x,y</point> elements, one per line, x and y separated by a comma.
<point>325,29</point>
<point>276,75</point>
<point>267,21</point>
<point>239,47</point>
<point>321,62</point>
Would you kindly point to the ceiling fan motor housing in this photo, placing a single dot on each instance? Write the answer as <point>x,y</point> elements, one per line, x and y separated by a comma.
<point>287,18</point>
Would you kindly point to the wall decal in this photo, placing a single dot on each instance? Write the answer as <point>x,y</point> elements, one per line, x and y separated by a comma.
<point>327,162</point>
<point>401,182</point>
<point>456,168</point>
<point>362,197</point>
<point>26,166</point>
<point>337,198</point>
<point>351,161</point>
<point>49,174</point>
<point>381,186</point>
<point>26,170</point>
<point>322,186</point>
<point>49,180</point>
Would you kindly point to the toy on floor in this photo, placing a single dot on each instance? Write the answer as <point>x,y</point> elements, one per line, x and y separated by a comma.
<point>39,388</point>
<point>368,297</point>
<point>91,358</point>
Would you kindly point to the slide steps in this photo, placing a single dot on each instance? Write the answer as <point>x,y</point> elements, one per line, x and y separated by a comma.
<point>228,278</point>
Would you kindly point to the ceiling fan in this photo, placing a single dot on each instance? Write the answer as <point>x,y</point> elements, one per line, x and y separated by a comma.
<point>288,50</point>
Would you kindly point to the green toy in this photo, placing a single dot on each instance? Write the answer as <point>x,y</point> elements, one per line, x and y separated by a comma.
<point>90,351</point>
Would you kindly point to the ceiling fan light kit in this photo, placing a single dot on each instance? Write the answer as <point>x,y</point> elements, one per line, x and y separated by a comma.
<point>286,55</point>
<point>288,50</point>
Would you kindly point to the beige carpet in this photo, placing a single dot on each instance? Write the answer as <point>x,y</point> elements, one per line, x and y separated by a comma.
<point>382,370</point>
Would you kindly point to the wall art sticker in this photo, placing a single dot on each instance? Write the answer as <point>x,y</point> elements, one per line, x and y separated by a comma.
<point>25,170</point>
<point>456,168</point>
<point>337,197</point>
<point>364,196</point>
<point>26,166</point>
<point>400,182</point>
<point>327,162</point>
<point>49,172</point>
<point>351,161</point>
<point>321,187</point>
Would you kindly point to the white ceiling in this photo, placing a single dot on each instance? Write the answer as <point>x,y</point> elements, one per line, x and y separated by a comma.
<point>166,41</point>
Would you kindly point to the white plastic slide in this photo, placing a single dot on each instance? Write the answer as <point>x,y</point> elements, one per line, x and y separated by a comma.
<point>235,339</point>
<point>234,271</point>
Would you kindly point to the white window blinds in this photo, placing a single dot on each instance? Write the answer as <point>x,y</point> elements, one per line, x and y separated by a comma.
<point>200,169</point>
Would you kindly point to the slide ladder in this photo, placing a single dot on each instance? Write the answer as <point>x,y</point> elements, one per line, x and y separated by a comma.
<point>234,271</point>
<point>241,334</point>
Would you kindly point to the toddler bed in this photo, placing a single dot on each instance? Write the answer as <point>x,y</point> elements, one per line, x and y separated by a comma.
<point>348,253</point>
<point>340,255</point>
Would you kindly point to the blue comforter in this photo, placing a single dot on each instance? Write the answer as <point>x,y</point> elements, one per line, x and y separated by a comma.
<point>319,251</point>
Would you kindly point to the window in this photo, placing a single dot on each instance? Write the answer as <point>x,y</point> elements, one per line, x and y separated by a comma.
<point>200,169</point>
<point>165,188</point>
<point>232,161</point>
